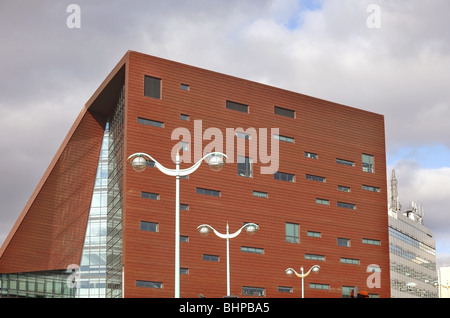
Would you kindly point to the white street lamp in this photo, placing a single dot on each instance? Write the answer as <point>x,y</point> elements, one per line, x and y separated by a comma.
<point>250,228</point>
<point>216,161</point>
<point>315,269</point>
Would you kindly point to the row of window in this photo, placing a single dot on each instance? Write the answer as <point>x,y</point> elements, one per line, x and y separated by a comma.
<point>245,163</point>
<point>153,85</point>
<point>261,291</point>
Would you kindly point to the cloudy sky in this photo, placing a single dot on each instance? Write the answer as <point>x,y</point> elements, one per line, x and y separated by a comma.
<point>396,63</point>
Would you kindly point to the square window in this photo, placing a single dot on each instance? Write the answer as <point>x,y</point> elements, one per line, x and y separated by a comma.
<point>152,87</point>
<point>292,233</point>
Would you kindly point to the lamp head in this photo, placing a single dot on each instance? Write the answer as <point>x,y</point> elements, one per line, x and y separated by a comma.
<point>203,230</point>
<point>316,269</point>
<point>139,164</point>
<point>216,161</point>
<point>251,229</point>
<point>289,271</point>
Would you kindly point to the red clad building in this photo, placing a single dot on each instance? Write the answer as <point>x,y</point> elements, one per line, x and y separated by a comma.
<point>310,173</point>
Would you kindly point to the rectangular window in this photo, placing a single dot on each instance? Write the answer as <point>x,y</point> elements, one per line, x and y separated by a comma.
<point>243,135</point>
<point>313,234</point>
<point>311,155</point>
<point>322,201</point>
<point>284,176</point>
<point>315,257</point>
<point>371,241</point>
<point>149,195</point>
<point>315,178</point>
<point>319,286</point>
<point>343,242</point>
<point>284,112</point>
<point>149,226</point>
<point>284,289</point>
<point>345,162</point>
<point>292,233</point>
<point>260,194</point>
<point>253,291</point>
<point>184,87</point>
<point>184,271</point>
<point>152,87</point>
<point>147,284</point>
<point>184,117</point>
<point>213,193</point>
<point>367,163</point>
<point>150,122</point>
<point>344,205</point>
<point>343,188</point>
<point>237,106</point>
<point>349,261</point>
<point>184,207</point>
<point>370,188</point>
<point>284,138</point>
<point>253,250</point>
<point>244,166</point>
<point>211,258</point>
<point>184,238</point>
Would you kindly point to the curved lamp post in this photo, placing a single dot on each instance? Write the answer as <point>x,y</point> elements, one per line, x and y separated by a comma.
<point>216,161</point>
<point>315,269</point>
<point>204,229</point>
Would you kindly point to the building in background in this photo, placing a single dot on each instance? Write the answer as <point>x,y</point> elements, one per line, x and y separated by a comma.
<point>443,283</point>
<point>412,249</point>
<point>310,173</point>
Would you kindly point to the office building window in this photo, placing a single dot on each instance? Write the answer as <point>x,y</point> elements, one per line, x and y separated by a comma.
<point>152,87</point>
<point>284,138</point>
<point>314,234</point>
<point>184,207</point>
<point>149,226</point>
<point>253,250</point>
<point>370,188</point>
<point>237,106</point>
<point>322,201</point>
<point>260,194</point>
<point>319,286</point>
<point>345,162</point>
<point>211,258</point>
<point>244,166</point>
<point>315,178</point>
<point>367,163</point>
<point>349,261</point>
<point>213,193</point>
<point>343,242</point>
<point>344,205</point>
<point>315,257</point>
<point>292,233</point>
<point>371,241</point>
<point>284,289</point>
<point>253,291</point>
<point>311,155</point>
<point>147,284</point>
<point>184,87</point>
<point>284,112</point>
<point>150,122</point>
<point>184,117</point>
<point>149,195</point>
<point>284,176</point>
<point>343,188</point>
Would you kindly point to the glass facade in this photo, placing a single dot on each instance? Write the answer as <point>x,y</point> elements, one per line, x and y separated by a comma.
<point>412,258</point>
<point>52,284</point>
<point>114,201</point>
<point>93,260</point>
